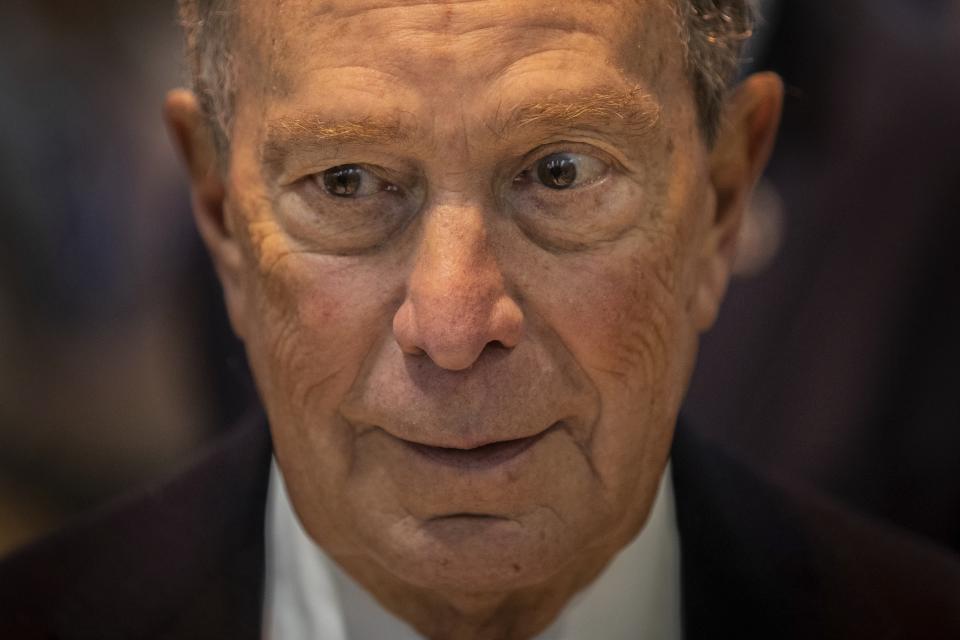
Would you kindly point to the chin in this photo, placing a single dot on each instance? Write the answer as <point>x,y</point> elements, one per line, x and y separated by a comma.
<point>477,554</point>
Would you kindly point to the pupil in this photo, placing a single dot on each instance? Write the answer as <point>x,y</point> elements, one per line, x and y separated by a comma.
<point>557,172</point>
<point>343,181</point>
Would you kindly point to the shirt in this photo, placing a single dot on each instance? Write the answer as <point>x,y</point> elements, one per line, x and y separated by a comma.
<point>308,596</point>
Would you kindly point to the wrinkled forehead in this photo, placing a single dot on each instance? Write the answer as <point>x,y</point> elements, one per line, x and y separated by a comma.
<point>431,47</point>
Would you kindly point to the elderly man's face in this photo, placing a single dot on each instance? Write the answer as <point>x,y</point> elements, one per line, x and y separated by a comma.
<point>469,247</point>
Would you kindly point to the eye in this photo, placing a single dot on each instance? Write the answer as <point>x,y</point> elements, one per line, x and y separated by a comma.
<point>352,181</point>
<point>568,170</point>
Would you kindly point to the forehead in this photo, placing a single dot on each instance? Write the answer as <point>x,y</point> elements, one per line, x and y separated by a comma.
<point>410,52</point>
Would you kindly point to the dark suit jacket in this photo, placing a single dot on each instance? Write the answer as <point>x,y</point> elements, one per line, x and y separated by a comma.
<point>186,560</point>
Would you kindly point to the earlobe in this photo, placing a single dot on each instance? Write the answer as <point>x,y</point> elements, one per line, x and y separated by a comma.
<point>738,158</point>
<point>194,141</point>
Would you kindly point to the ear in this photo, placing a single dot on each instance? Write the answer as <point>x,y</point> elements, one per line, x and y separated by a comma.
<point>739,155</point>
<point>192,136</point>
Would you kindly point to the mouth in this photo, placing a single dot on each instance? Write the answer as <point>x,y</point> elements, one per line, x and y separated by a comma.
<point>486,456</point>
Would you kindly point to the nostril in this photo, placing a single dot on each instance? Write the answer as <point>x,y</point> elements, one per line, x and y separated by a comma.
<point>454,330</point>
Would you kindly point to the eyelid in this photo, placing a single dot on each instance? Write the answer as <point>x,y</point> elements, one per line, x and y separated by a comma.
<point>529,171</point>
<point>307,171</point>
<point>381,175</point>
<point>571,147</point>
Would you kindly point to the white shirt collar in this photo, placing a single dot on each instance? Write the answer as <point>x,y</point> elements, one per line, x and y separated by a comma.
<point>308,597</point>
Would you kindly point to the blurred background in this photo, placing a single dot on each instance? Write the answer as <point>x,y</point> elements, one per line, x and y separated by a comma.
<point>834,361</point>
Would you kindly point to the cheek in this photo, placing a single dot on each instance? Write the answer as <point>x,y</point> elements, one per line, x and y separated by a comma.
<point>624,318</point>
<point>312,331</point>
<point>312,334</point>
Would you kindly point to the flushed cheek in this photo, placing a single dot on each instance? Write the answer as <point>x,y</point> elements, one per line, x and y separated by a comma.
<point>310,331</point>
<point>622,315</point>
<point>624,322</point>
<point>313,334</point>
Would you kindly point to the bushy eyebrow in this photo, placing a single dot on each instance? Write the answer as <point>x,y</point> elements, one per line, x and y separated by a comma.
<point>630,113</point>
<point>313,132</point>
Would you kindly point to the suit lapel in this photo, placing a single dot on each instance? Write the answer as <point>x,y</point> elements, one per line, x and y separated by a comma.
<point>745,569</point>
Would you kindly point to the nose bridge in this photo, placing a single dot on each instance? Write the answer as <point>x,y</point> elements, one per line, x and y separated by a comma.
<point>455,262</point>
<point>457,302</point>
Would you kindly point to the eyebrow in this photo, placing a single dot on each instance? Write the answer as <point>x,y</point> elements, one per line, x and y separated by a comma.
<point>632,113</point>
<point>312,132</point>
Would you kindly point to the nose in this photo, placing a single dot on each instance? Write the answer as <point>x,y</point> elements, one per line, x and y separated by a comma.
<point>456,302</point>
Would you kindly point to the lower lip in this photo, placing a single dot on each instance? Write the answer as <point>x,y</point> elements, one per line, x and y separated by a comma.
<point>482,458</point>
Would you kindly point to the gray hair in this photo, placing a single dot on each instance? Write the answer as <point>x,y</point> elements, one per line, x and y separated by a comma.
<point>712,32</point>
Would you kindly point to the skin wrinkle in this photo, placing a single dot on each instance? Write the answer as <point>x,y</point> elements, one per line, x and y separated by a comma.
<point>638,352</point>
<point>287,349</point>
<point>298,220</point>
<point>260,231</point>
<point>286,343</point>
<point>653,331</point>
<point>392,6</point>
<point>303,398</point>
<point>711,34</point>
<point>641,126</point>
<point>277,258</point>
<point>481,29</point>
<point>353,347</point>
<point>633,113</point>
<point>511,68</point>
<point>303,391</point>
<point>560,247</point>
<point>282,345</point>
<point>586,448</point>
<point>646,225</point>
<point>464,128</point>
<point>647,350</point>
<point>554,512</point>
